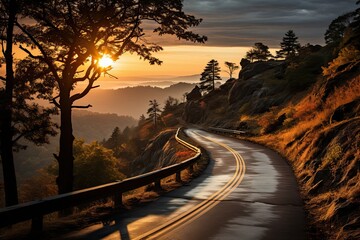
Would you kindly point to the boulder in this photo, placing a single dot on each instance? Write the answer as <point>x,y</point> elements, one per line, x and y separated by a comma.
<point>252,69</point>
<point>194,95</point>
<point>243,89</point>
<point>347,111</point>
<point>244,62</point>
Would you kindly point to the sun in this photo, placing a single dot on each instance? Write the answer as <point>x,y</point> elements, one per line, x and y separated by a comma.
<point>105,61</point>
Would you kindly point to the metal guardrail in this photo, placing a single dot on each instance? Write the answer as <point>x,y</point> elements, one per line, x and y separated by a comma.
<point>223,130</point>
<point>35,210</point>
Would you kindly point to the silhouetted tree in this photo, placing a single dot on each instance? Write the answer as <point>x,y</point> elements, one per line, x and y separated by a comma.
<point>71,37</point>
<point>289,45</point>
<point>170,104</point>
<point>142,120</point>
<point>115,140</point>
<point>336,30</point>
<point>23,80</point>
<point>258,52</point>
<point>232,67</point>
<point>154,112</point>
<point>210,74</point>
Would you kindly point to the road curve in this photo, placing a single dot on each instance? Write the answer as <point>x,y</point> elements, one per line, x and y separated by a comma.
<point>247,192</point>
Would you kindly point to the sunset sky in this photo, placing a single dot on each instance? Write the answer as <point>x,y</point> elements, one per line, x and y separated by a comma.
<point>232,27</point>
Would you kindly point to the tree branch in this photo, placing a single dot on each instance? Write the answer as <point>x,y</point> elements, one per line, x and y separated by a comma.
<point>30,54</point>
<point>88,106</point>
<point>46,58</point>
<point>56,103</point>
<point>86,90</point>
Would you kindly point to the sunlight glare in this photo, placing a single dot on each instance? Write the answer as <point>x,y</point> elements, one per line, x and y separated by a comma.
<point>105,61</point>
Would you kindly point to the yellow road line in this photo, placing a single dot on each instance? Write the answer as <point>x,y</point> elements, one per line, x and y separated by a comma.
<point>206,205</point>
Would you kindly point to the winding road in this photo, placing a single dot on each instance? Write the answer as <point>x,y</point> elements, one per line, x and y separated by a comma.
<point>246,192</point>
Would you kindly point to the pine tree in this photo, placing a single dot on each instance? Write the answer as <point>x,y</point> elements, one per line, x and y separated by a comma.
<point>154,112</point>
<point>289,45</point>
<point>209,75</point>
<point>259,52</point>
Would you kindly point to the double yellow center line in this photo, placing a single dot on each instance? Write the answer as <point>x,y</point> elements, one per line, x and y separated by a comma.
<point>206,205</point>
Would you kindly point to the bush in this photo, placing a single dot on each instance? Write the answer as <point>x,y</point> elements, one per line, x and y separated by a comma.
<point>94,165</point>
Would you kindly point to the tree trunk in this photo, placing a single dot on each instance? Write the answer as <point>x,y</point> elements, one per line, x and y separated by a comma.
<point>65,159</point>
<point>10,186</point>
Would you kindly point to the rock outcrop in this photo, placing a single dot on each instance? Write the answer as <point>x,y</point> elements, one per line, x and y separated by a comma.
<point>252,69</point>
<point>194,95</point>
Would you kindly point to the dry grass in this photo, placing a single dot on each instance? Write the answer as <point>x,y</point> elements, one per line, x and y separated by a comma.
<point>325,156</point>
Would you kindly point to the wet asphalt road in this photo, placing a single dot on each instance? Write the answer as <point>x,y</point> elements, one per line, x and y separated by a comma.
<point>247,192</point>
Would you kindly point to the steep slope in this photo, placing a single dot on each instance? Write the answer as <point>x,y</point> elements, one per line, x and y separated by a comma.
<point>314,122</point>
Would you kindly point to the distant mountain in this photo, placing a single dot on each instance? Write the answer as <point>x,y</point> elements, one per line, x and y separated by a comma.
<point>132,101</point>
<point>87,125</point>
<point>92,126</point>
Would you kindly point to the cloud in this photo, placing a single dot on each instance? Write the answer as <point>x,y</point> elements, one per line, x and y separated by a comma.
<point>242,22</point>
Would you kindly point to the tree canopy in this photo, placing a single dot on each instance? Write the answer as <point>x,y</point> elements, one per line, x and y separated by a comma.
<point>258,52</point>
<point>71,37</point>
<point>289,45</point>
<point>210,74</point>
<point>336,30</point>
<point>23,80</point>
<point>94,165</point>
<point>231,68</point>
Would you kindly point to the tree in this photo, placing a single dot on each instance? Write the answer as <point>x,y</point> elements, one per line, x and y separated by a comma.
<point>115,139</point>
<point>72,36</point>
<point>154,112</point>
<point>142,120</point>
<point>259,52</point>
<point>289,45</point>
<point>94,165</point>
<point>209,75</point>
<point>170,104</point>
<point>232,67</point>
<point>19,118</point>
<point>336,30</point>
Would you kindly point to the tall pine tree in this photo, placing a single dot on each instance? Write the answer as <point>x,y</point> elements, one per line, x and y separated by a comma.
<point>154,112</point>
<point>289,45</point>
<point>209,75</point>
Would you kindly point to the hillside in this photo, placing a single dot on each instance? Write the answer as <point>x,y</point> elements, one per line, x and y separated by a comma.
<point>311,119</point>
<point>132,101</point>
<point>87,125</point>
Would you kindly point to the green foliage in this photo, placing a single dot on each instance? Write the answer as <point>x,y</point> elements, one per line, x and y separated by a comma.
<point>210,74</point>
<point>259,52</point>
<point>94,165</point>
<point>289,45</point>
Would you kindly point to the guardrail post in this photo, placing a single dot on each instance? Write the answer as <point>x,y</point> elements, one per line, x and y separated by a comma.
<point>191,169</point>
<point>118,201</point>
<point>158,185</point>
<point>178,177</point>
<point>37,225</point>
